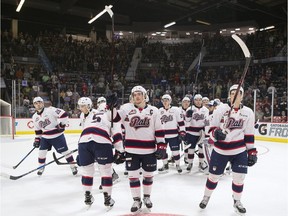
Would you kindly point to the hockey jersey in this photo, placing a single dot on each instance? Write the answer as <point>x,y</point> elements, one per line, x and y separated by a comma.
<point>97,127</point>
<point>196,123</point>
<point>183,113</point>
<point>239,128</point>
<point>46,123</point>
<point>143,128</point>
<point>173,122</point>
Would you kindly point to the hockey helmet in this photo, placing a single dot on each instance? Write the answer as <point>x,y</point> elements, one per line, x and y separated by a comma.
<point>101,100</point>
<point>234,87</point>
<point>85,101</point>
<point>197,96</point>
<point>166,96</point>
<point>186,99</point>
<point>205,99</point>
<point>37,99</point>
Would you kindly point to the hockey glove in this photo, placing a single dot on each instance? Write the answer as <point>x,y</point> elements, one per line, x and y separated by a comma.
<point>252,156</point>
<point>189,113</point>
<point>36,143</point>
<point>218,134</point>
<point>182,137</point>
<point>112,101</point>
<point>161,151</point>
<point>61,125</point>
<point>119,157</point>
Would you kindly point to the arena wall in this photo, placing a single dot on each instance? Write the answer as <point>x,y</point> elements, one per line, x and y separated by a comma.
<point>275,132</point>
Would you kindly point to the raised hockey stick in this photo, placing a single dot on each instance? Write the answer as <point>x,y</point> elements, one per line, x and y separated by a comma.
<point>14,167</point>
<point>61,163</point>
<point>40,167</point>
<point>247,55</point>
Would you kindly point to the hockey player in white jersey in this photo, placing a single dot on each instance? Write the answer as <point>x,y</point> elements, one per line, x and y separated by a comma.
<point>185,105</point>
<point>95,145</point>
<point>172,119</point>
<point>144,143</point>
<point>49,124</point>
<point>116,132</point>
<point>196,117</point>
<point>232,130</point>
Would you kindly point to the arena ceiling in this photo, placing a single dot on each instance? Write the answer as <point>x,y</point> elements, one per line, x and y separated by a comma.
<point>77,13</point>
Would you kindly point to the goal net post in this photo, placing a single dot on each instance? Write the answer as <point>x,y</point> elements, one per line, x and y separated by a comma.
<point>7,126</point>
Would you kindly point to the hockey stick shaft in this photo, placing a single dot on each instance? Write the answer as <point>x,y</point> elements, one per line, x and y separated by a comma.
<point>14,167</point>
<point>40,167</point>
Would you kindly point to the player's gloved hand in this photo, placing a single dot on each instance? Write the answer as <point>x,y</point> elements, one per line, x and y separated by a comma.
<point>252,156</point>
<point>161,151</point>
<point>111,101</point>
<point>119,157</point>
<point>218,134</point>
<point>189,113</point>
<point>182,136</point>
<point>61,125</point>
<point>36,143</point>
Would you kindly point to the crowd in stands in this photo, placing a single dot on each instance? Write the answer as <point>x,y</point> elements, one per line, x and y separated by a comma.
<point>83,68</point>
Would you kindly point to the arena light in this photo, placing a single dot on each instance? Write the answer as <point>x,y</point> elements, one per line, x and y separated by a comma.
<point>107,9</point>
<point>169,24</point>
<point>20,5</point>
<point>203,22</point>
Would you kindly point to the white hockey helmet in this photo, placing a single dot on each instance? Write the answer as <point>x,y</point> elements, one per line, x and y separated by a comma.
<point>101,100</point>
<point>139,89</point>
<point>37,99</point>
<point>186,99</point>
<point>234,87</point>
<point>205,99</point>
<point>197,96</point>
<point>166,96</point>
<point>85,101</point>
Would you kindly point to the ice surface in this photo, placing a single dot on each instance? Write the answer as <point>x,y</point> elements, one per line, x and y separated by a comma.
<point>58,193</point>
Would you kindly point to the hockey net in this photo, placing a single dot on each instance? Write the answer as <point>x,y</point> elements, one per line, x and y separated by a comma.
<point>6,120</point>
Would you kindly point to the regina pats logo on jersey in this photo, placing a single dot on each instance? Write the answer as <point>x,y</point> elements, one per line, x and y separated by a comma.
<point>137,122</point>
<point>166,118</point>
<point>197,116</point>
<point>234,124</point>
<point>44,123</point>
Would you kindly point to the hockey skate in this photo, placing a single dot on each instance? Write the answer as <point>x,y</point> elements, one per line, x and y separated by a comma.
<point>171,161</point>
<point>136,207</point>
<point>74,170</point>
<point>147,202</point>
<point>40,171</point>
<point>108,201</point>
<point>239,209</point>
<point>115,177</point>
<point>189,167</point>
<point>204,202</point>
<point>89,199</point>
<point>202,166</point>
<point>100,188</point>
<point>178,168</point>
<point>164,169</point>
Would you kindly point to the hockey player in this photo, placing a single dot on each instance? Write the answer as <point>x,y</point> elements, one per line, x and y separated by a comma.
<point>49,124</point>
<point>115,130</point>
<point>232,131</point>
<point>195,131</point>
<point>173,122</point>
<point>205,101</point>
<point>185,106</point>
<point>144,143</point>
<point>95,145</point>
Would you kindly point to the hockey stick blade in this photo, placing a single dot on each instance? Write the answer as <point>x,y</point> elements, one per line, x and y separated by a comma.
<point>242,45</point>
<point>61,163</point>
<point>20,176</point>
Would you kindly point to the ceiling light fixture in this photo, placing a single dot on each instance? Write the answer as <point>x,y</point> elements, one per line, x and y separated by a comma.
<point>20,5</point>
<point>169,24</point>
<point>100,14</point>
<point>203,22</point>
